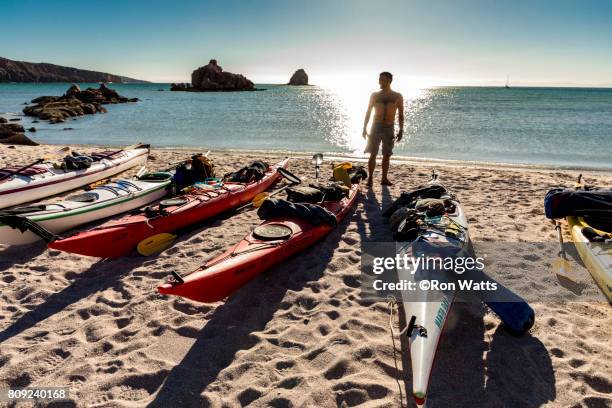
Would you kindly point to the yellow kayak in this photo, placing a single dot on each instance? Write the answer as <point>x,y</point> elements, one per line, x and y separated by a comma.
<point>597,256</point>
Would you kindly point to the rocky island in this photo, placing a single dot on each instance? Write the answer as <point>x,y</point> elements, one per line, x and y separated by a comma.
<point>212,78</point>
<point>299,77</point>
<point>21,71</point>
<point>74,102</point>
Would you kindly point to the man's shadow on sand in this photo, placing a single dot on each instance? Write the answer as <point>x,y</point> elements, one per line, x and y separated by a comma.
<point>231,326</point>
<point>517,371</point>
<point>100,276</point>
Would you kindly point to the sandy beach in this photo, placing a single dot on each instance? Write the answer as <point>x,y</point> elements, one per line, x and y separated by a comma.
<point>300,335</point>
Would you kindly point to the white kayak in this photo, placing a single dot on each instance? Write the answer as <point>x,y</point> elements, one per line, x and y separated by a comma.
<point>445,236</point>
<point>43,179</point>
<point>100,202</point>
<point>426,311</point>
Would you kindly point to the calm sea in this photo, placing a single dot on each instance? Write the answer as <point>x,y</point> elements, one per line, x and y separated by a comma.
<point>552,126</point>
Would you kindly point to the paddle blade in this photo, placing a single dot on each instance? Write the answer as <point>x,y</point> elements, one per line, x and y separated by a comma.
<point>289,175</point>
<point>563,268</point>
<point>155,244</point>
<point>56,153</point>
<point>257,202</point>
<point>142,171</point>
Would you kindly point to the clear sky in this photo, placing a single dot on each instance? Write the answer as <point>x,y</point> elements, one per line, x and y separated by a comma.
<point>536,42</point>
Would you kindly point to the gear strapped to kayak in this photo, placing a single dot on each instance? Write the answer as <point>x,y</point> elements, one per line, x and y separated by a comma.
<point>248,174</point>
<point>198,169</point>
<point>24,225</point>
<point>286,233</point>
<point>194,204</point>
<point>429,220</point>
<point>588,211</point>
<point>47,176</point>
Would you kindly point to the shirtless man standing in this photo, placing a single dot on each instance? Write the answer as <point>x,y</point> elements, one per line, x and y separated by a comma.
<point>386,104</point>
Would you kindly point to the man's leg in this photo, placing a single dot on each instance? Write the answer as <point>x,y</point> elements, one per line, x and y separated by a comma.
<point>385,170</point>
<point>371,167</point>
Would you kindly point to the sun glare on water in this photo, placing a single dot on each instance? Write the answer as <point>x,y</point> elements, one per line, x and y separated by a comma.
<point>350,96</point>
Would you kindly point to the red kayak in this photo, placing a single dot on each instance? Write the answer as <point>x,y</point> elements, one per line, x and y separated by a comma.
<point>119,237</point>
<point>223,275</point>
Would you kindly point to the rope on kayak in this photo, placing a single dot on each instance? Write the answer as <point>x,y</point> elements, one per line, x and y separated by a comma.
<point>391,301</point>
<point>234,254</point>
<point>24,224</point>
<point>246,251</point>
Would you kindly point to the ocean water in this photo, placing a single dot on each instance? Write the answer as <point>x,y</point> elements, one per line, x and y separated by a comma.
<point>549,126</point>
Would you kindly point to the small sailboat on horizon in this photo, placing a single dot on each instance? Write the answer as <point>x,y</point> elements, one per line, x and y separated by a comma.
<point>507,86</point>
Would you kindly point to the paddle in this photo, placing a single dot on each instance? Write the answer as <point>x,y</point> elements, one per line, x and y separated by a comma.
<point>155,244</point>
<point>158,242</point>
<point>562,266</point>
<point>258,200</point>
<point>317,160</point>
<point>48,156</point>
<point>131,147</point>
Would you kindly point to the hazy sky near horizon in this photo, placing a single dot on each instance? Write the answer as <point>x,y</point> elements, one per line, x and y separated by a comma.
<point>426,42</point>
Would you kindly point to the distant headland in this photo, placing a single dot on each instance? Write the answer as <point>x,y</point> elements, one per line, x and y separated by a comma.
<point>20,71</point>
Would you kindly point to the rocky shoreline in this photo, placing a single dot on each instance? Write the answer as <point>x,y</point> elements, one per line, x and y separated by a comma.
<point>75,102</point>
<point>14,133</point>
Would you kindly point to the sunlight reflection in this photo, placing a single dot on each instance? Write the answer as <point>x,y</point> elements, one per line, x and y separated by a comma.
<point>349,98</point>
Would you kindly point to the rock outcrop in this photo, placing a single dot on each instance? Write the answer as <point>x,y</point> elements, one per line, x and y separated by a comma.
<point>74,102</point>
<point>212,78</point>
<point>299,77</point>
<point>21,71</point>
<point>14,133</point>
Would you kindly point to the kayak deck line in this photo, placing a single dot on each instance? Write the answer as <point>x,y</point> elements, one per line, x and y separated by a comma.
<point>223,275</point>
<point>214,261</point>
<point>60,213</point>
<point>18,189</point>
<point>65,179</point>
<point>117,237</point>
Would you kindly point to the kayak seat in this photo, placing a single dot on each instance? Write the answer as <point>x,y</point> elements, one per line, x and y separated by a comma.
<point>599,223</point>
<point>107,154</point>
<point>594,236</point>
<point>153,177</point>
<point>88,197</point>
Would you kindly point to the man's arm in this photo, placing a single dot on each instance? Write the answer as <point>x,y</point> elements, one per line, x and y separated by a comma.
<point>400,112</point>
<point>367,116</point>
